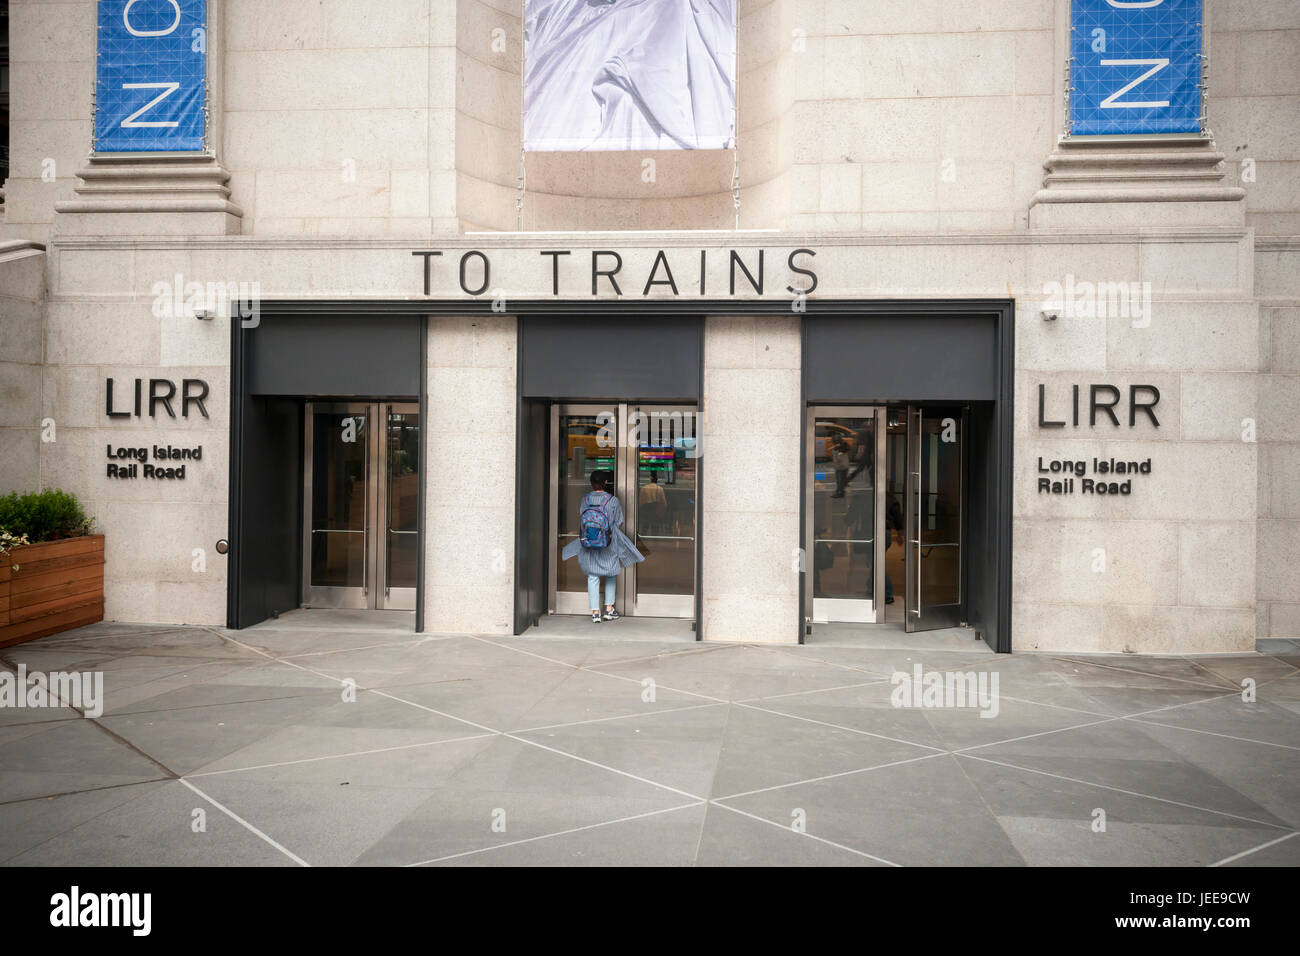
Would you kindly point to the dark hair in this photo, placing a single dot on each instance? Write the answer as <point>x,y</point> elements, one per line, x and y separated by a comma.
<point>597,481</point>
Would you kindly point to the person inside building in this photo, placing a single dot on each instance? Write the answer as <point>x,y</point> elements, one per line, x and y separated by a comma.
<point>602,548</point>
<point>653,503</point>
<point>893,527</point>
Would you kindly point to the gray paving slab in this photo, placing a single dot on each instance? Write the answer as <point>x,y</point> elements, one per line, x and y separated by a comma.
<point>1277,645</point>
<point>669,838</point>
<point>325,823</point>
<point>922,813</point>
<point>1234,719</point>
<point>303,632</point>
<point>626,630</point>
<point>1053,822</point>
<point>1281,690</point>
<point>1126,755</point>
<point>866,709</point>
<point>1266,774</point>
<point>67,756</point>
<point>593,695</point>
<point>592,651</point>
<point>732,838</point>
<point>300,744</point>
<point>762,749</point>
<point>156,828</point>
<point>514,790</point>
<point>471,751</point>
<point>1122,691</point>
<point>25,824</point>
<point>871,709</point>
<point>1173,668</point>
<point>185,738</point>
<point>13,732</point>
<point>116,641</point>
<point>678,747</point>
<point>1257,667</point>
<point>1284,853</point>
<point>734,673</point>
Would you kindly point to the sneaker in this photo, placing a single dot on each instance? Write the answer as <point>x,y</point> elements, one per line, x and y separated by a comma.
<point>612,615</point>
<point>595,617</point>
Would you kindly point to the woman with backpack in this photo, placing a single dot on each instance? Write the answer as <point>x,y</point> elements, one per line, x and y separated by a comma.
<point>601,546</point>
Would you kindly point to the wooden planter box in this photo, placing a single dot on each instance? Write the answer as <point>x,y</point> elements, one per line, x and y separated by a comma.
<point>58,585</point>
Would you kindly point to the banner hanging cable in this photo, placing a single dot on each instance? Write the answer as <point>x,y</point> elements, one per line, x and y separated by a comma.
<point>735,129</point>
<point>522,182</point>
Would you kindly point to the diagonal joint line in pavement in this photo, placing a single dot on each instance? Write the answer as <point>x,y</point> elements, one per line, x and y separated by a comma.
<point>558,833</point>
<point>1130,793</point>
<point>804,833</point>
<point>1263,846</point>
<point>245,824</point>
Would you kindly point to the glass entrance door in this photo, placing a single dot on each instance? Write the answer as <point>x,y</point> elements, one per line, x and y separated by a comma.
<point>885,513</point>
<point>846,507</point>
<point>936,508</point>
<point>584,441</point>
<point>400,503</point>
<point>361,501</point>
<point>648,453</point>
<point>660,464</point>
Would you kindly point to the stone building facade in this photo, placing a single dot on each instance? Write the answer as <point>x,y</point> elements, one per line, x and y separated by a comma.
<point>898,166</point>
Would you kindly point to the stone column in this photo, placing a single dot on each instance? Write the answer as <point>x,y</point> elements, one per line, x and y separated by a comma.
<point>470,508</point>
<point>22,352</point>
<point>749,509</point>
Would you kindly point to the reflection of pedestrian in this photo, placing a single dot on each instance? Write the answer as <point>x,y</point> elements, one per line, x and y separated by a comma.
<point>863,455</point>
<point>840,462</point>
<point>893,523</point>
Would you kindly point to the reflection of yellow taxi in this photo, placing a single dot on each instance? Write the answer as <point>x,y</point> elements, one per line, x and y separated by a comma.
<point>596,441</point>
<point>825,434</point>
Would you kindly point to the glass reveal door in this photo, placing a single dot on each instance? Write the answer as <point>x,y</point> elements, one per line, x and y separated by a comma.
<point>361,505</point>
<point>846,505</point>
<point>340,502</point>
<point>935,516</point>
<point>585,440</point>
<point>885,505</point>
<point>661,468</point>
<point>649,455</point>
<point>400,502</point>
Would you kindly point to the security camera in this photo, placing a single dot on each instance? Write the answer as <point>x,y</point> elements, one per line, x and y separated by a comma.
<point>1049,316</point>
<point>203,314</point>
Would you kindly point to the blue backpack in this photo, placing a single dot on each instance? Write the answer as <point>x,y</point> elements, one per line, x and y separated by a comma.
<point>594,531</point>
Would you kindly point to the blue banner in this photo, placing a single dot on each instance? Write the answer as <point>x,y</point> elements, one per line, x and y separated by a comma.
<point>149,75</point>
<point>1135,66</point>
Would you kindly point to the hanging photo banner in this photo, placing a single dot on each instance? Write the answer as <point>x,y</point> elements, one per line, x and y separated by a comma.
<point>1135,66</point>
<point>149,76</point>
<point>629,74</point>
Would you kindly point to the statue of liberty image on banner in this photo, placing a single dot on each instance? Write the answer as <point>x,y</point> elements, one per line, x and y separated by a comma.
<point>629,74</point>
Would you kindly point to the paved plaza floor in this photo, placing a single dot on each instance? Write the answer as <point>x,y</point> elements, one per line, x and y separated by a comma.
<point>296,743</point>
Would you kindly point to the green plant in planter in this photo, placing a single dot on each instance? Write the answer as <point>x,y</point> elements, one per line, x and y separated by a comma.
<point>43,516</point>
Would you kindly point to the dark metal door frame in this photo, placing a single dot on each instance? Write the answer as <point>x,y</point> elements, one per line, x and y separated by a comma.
<point>419,309</point>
